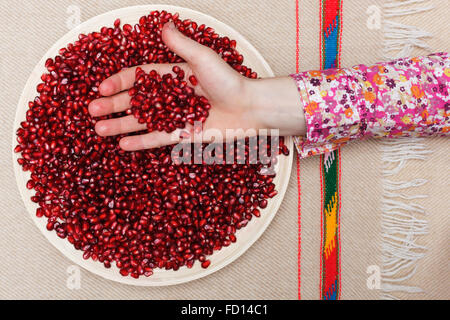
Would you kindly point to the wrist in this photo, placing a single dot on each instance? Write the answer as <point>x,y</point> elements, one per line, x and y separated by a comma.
<point>275,104</point>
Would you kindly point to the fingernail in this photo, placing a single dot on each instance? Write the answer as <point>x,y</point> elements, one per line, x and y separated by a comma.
<point>184,135</point>
<point>101,89</point>
<point>171,26</point>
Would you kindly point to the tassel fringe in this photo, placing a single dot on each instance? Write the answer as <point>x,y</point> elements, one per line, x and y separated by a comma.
<point>400,39</point>
<point>402,220</point>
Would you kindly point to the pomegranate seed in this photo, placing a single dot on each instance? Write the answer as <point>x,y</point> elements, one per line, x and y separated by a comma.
<point>193,80</point>
<point>135,209</point>
<point>206,264</point>
<point>163,103</point>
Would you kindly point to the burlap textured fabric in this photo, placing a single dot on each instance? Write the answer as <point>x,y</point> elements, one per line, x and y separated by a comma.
<point>32,268</point>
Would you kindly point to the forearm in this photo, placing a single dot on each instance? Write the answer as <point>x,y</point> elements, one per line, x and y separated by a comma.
<point>406,97</point>
<point>326,109</point>
<point>276,104</point>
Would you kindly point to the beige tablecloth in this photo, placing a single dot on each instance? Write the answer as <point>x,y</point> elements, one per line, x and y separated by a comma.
<point>30,267</point>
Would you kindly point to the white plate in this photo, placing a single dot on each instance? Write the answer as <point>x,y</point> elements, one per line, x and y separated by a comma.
<point>246,236</point>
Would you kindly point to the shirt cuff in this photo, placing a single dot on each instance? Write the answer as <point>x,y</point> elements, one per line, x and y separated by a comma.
<point>330,104</point>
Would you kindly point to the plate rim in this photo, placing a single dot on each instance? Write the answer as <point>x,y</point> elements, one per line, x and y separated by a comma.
<point>18,172</point>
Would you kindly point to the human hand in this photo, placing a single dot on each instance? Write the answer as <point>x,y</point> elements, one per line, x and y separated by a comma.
<point>236,101</point>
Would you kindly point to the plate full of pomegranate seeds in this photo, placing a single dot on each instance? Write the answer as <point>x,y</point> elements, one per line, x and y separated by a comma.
<point>135,217</point>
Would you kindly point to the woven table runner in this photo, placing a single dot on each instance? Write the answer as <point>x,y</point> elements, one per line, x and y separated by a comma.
<point>320,245</point>
<point>356,200</point>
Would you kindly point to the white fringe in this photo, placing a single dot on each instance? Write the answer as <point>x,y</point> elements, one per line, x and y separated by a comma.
<point>393,186</point>
<point>387,296</point>
<point>399,221</point>
<point>397,8</point>
<point>402,218</point>
<point>400,39</point>
<point>397,152</point>
<point>328,160</point>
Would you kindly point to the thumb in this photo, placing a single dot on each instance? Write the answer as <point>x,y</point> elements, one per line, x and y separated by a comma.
<point>190,50</point>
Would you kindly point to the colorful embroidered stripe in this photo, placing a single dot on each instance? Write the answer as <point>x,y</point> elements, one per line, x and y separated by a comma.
<point>330,255</point>
<point>330,165</point>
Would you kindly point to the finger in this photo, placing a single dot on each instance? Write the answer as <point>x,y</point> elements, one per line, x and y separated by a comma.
<point>103,106</point>
<point>124,80</point>
<point>113,127</point>
<point>150,140</point>
<point>190,50</point>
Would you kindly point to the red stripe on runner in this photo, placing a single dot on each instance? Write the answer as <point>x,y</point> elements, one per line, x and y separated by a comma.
<point>297,39</point>
<point>340,43</point>
<point>297,68</point>
<point>299,228</point>
<point>339,222</point>
<point>321,230</point>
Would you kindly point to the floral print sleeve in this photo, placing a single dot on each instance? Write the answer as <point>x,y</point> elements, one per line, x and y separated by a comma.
<point>405,97</point>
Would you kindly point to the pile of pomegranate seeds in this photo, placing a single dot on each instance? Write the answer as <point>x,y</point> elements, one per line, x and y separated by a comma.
<point>166,103</point>
<point>136,210</point>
